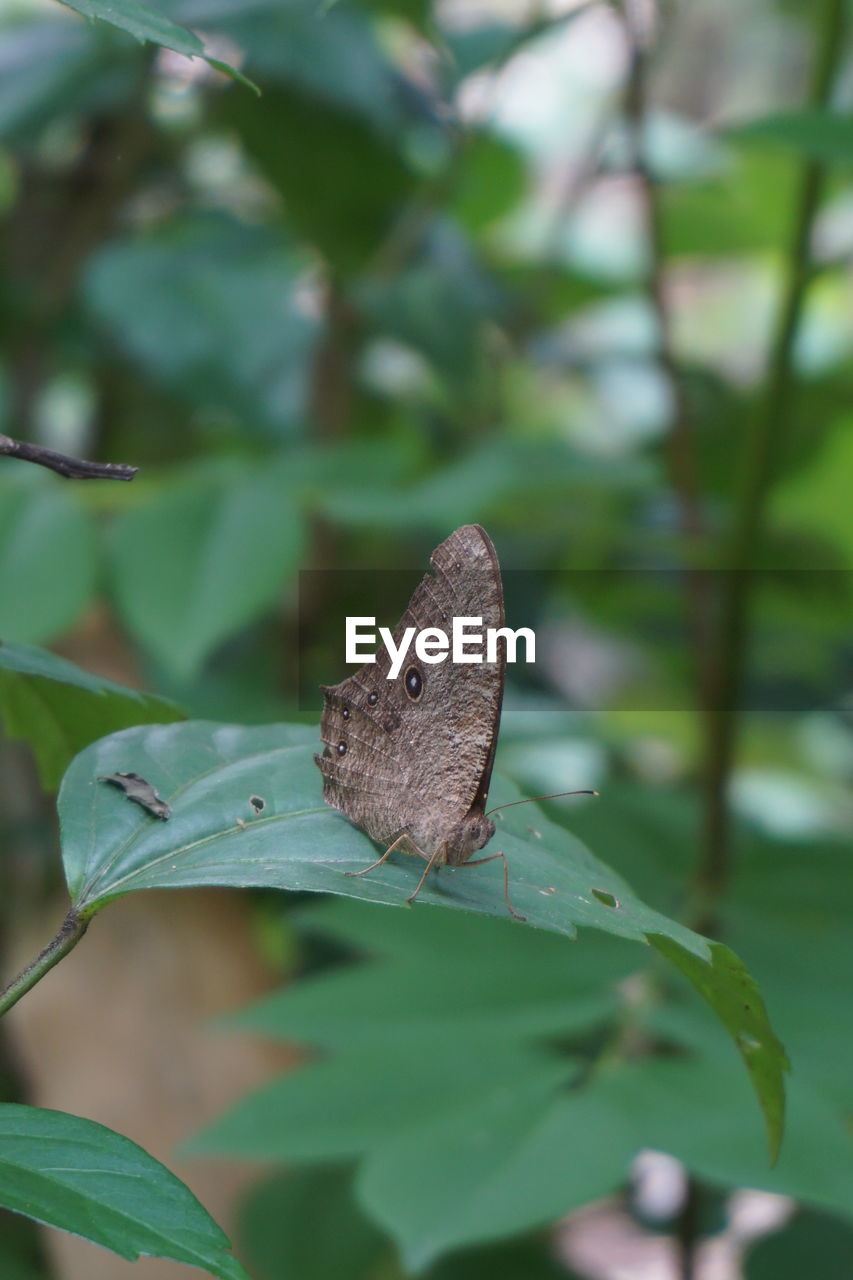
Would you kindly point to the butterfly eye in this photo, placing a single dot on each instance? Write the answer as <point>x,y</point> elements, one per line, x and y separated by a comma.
<point>341,748</point>
<point>372,699</point>
<point>345,713</point>
<point>414,683</point>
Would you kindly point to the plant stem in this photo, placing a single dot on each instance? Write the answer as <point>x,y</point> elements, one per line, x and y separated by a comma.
<point>762,448</point>
<point>62,464</point>
<point>73,927</point>
<point>688,1230</point>
<point>681,442</point>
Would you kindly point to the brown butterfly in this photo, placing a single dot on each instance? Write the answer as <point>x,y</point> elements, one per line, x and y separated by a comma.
<point>409,760</point>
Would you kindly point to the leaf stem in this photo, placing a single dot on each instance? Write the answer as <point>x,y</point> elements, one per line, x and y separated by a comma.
<point>71,931</point>
<point>761,451</point>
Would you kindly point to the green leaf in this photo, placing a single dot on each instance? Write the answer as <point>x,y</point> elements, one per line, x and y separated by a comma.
<point>791,1252</point>
<point>207,774</point>
<point>214,316</point>
<point>343,1106</point>
<point>145,23</point>
<point>821,135</point>
<point>42,592</point>
<point>284,1228</point>
<point>498,1163</point>
<point>519,1259</point>
<point>732,993</point>
<point>284,1232</point>
<point>480,482</point>
<point>696,1108</point>
<point>813,499</point>
<point>492,182</point>
<point>81,1177</point>
<point>316,154</point>
<point>442,974</point>
<point>50,67</point>
<point>329,57</point>
<point>432,1069</point>
<point>59,708</point>
<point>204,558</point>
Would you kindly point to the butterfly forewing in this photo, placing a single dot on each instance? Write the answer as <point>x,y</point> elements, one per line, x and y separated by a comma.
<point>415,753</point>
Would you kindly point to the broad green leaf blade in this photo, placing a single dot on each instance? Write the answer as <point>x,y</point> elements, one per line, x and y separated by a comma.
<point>696,1108</point>
<point>822,135</point>
<point>59,708</point>
<point>439,974</point>
<point>215,318</point>
<point>505,1162</point>
<point>732,993</point>
<point>406,1067</point>
<point>42,592</point>
<point>284,1228</point>
<point>342,1106</point>
<point>82,1177</point>
<point>207,774</point>
<point>147,24</point>
<point>204,558</point>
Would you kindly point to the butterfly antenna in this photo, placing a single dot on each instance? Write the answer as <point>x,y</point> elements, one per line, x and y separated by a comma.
<point>532,799</point>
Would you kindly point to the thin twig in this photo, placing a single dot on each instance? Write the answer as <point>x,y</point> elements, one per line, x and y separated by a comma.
<point>682,449</point>
<point>762,449</point>
<point>71,931</point>
<point>71,468</point>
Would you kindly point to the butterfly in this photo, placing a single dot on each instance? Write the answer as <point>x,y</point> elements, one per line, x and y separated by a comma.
<point>409,760</point>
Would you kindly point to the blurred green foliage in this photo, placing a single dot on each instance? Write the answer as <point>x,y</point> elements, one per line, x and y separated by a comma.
<point>412,285</point>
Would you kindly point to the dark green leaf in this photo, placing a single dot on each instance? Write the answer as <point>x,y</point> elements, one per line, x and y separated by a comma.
<point>521,1259</point>
<point>443,974</point>
<point>491,184</point>
<point>695,1107</point>
<point>793,1251</point>
<point>284,1228</point>
<point>207,774</point>
<point>821,135</point>
<point>500,1163</point>
<point>59,708</point>
<point>81,1177</point>
<point>329,56</point>
<point>47,556</point>
<point>732,993</point>
<point>203,558</point>
<point>343,1106</point>
<point>316,154</point>
<point>145,23</point>
<point>214,316</point>
<point>49,67</point>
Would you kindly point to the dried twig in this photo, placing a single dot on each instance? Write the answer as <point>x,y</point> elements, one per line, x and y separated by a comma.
<point>71,468</point>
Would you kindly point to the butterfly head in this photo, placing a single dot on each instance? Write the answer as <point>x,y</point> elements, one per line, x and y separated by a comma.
<point>467,836</point>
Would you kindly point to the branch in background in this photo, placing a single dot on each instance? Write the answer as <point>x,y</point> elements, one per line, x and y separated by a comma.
<point>762,448</point>
<point>71,468</point>
<point>682,450</point>
<point>61,217</point>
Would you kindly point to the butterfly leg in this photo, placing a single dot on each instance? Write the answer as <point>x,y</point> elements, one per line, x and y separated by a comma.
<point>387,854</point>
<point>431,861</point>
<point>478,862</point>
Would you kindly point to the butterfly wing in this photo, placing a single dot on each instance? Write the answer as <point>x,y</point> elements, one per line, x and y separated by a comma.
<point>416,752</point>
